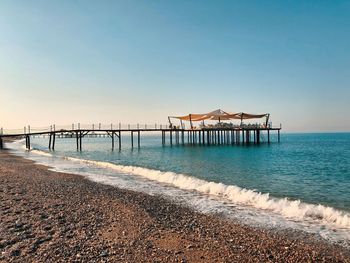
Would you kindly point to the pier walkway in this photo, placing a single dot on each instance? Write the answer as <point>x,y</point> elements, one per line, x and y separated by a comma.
<point>241,135</point>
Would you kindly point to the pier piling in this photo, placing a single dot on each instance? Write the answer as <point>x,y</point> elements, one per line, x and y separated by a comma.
<point>138,139</point>
<point>112,135</point>
<point>53,141</point>
<point>50,138</point>
<point>132,139</point>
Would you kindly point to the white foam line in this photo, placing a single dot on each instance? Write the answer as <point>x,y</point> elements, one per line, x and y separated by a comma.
<point>292,209</point>
<point>42,153</point>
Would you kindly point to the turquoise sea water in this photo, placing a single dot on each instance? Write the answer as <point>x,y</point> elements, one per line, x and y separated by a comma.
<point>314,168</point>
<point>301,183</point>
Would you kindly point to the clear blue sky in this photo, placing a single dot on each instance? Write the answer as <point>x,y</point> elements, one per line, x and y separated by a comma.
<point>140,61</point>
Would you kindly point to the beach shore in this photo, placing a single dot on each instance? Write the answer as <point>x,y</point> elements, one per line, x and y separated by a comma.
<point>49,217</point>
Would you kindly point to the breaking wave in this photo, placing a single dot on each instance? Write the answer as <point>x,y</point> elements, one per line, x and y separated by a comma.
<point>293,209</point>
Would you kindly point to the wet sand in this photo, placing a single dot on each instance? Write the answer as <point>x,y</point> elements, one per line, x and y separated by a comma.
<point>56,217</point>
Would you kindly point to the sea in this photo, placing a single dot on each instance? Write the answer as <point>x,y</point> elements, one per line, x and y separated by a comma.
<point>301,183</point>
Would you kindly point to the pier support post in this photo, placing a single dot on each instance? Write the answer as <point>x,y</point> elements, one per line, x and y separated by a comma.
<point>120,140</point>
<point>132,139</point>
<point>279,139</point>
<point>53,141</point>
<point>268,136</point>
<point>1,143</point>
<point>80,141</point>
<point>76,136</point>
<point>50,139</point>
<point>247,136</point>
<point>112,135</point>
<point>171,138</point>
<point>258,136</point>
<point>138,139</point>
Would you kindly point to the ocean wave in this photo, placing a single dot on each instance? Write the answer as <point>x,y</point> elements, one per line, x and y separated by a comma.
<point>41,153</point>
<point>291,209</point>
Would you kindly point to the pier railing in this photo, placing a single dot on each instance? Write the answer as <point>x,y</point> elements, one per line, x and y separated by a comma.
<point>81,126</point>
<point>122,126</point>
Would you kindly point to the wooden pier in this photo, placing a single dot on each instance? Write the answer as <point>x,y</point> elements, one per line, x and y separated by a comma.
<point>220,133</point>
<point>174,136</point>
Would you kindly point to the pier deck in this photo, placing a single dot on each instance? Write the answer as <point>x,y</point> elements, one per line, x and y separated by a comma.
<point>203,136</point>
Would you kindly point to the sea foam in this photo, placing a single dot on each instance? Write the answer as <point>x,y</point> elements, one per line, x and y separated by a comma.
<point>291,209</point>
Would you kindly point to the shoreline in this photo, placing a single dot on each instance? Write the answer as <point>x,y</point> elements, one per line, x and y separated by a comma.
<point>46,215</point>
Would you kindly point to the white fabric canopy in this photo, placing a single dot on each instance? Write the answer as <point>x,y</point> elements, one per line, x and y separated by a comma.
<point>219,115</point>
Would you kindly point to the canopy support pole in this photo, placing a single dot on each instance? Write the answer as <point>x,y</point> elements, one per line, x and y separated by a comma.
<point>191,122</point>
<point>171,125</point>
<point>267,119</point>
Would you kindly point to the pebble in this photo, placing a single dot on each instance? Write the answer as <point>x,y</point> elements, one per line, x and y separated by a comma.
<point>104,254</point>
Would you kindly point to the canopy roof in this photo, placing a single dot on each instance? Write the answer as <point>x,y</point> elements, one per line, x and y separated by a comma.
<point>219,115</point>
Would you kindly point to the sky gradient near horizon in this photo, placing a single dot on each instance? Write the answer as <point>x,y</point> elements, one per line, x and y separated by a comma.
<point>139,61</point>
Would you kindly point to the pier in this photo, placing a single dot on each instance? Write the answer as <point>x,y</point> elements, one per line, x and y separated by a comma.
<point>170,134</point>
<point>215,136</point>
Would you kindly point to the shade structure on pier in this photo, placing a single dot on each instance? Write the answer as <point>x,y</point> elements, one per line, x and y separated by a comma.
<point>245,116</point>
<point>219,115</point>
